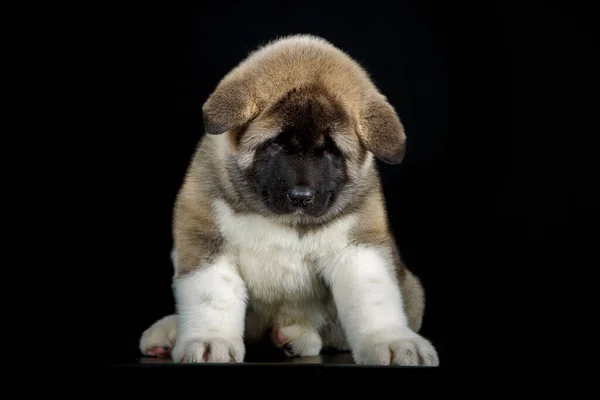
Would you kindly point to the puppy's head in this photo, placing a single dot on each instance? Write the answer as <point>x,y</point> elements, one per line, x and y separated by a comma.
<point>303,122</point>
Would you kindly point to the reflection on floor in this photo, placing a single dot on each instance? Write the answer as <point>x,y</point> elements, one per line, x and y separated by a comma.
<point>337,359</point>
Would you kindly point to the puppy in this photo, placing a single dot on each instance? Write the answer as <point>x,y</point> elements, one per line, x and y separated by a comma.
<point>280,225</point>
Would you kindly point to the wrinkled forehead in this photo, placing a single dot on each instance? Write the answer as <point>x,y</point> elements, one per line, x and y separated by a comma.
<point>302,118</point>
<point>308,114</point>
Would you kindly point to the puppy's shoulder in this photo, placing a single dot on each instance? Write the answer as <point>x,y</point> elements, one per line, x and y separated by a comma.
<point>372,227</point>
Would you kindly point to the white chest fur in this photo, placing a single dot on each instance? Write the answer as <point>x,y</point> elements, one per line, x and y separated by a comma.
<point>275,261</point>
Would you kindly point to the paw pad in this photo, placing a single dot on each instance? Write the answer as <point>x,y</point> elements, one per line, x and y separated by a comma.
<point>296,340</point>
<point>159,351</point>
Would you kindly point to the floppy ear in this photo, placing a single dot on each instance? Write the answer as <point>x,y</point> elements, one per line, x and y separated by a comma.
<point>381,131</point>
<point>231,105</point>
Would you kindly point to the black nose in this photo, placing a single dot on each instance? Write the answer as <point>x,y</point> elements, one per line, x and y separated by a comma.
<point>301,195</point>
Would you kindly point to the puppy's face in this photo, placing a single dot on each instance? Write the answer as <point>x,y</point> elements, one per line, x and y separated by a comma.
<point>300,160</point>
<point>297,167</point>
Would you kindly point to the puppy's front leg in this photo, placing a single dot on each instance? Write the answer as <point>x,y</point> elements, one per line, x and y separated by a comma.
<point>211,304</point>
<point>369,303</point>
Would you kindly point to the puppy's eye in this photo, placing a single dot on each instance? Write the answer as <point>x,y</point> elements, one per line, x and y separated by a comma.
<point>272,147</point>
<point>331,148</point>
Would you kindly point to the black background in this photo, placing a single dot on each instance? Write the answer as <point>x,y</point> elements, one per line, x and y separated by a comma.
<point>491,97</point>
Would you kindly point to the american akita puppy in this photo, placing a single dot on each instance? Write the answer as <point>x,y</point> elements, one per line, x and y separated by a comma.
<point>280,225</point>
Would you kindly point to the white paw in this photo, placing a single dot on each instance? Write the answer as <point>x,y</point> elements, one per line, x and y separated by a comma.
<point>297,340</point>
<point>402,347</point>
<point>159,338</point>
<point>212,350</point>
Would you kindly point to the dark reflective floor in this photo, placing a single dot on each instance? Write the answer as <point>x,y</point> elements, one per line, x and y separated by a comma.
<point>327,359</point>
